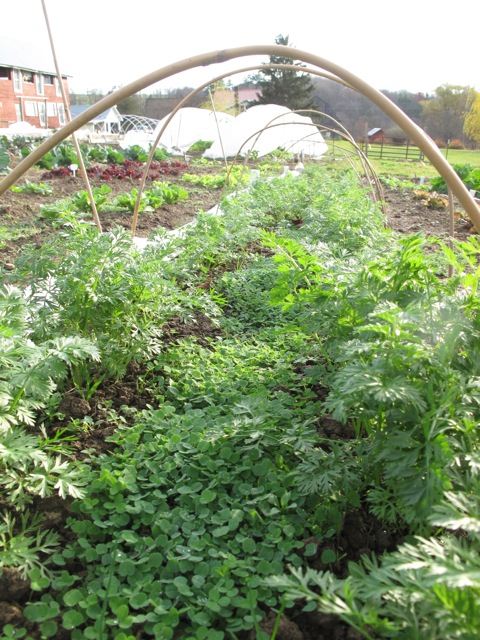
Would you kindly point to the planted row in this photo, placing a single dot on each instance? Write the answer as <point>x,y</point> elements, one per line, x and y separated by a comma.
<point>217,504</point>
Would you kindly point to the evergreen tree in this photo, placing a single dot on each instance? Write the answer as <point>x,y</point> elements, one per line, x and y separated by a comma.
<point>285,87</point>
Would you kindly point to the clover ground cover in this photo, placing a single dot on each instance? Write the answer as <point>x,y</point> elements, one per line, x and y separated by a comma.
<point>225,500</point>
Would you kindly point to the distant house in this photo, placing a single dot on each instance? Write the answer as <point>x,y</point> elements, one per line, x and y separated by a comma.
<point>29,87</point>
<point>109,121</point>
<point>377,136</point>
<point>247,94</point>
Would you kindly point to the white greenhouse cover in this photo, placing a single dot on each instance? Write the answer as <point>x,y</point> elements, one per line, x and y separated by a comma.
<point>143,139</point>
<point>292,132</point>
<point>187,126</point>
<point>23,129</point>
<point>190,125</point>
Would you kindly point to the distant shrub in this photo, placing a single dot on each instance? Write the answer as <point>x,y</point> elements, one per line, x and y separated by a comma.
<point>440,142</point>
<point>456,144</point>
<point>468,174</point>
<point>199,147</point>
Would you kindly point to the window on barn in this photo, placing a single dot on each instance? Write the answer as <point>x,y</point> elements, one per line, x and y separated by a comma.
<point>42,112</point>
<point>48,80</point>
<point>27,76</point>
<point>31,108</point>
<point>4,73</point>
<point>17,80</point>
<point>61,114</point>
<point>39,83</point>
<point>51,109</point>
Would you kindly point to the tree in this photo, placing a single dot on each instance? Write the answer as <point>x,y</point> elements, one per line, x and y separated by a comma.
<point>444,114</point>
<point>410,103</point>
<point>471,125</point>
<point>285,87</point>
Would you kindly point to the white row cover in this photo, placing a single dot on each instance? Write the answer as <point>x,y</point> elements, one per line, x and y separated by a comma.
<point>262,128</point>
<point>187,126</point>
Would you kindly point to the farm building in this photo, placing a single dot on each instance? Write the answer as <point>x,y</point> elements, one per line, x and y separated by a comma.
<point>29,87</point>
<point>377,135</point>
<point>109,121</point>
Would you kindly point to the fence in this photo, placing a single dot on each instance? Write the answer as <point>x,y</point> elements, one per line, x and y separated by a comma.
<point>382,150</point>
<point>385,151</point>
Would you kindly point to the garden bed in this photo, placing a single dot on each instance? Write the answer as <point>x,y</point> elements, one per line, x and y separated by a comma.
<point>227,439</point>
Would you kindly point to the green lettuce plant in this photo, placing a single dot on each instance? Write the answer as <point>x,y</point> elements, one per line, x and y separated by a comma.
<point>32,187</point>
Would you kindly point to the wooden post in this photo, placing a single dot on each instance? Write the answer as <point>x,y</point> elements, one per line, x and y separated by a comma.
<point>451,210</point>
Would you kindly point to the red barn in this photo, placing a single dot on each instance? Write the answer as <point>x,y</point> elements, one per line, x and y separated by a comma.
<point>377,136</point>
<point>29,87</point>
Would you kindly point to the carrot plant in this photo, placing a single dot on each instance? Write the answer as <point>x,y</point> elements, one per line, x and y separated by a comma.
<point>215,501</point>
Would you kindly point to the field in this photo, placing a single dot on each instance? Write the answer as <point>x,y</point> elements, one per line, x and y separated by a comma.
<point>259,425</point>
<point>396,164</point>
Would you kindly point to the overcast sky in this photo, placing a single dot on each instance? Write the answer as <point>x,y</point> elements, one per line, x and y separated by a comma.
<point>415,45</point>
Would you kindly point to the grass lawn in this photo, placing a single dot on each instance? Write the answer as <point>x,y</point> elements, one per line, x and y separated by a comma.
<point>408,168</point>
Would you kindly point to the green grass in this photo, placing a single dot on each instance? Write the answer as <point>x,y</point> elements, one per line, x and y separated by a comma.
<point>403,168</point>
<point>462,156</point>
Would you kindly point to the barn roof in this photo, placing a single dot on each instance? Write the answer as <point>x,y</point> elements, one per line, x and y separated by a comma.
<point>112,113</point>
<point>372,132</point>
<point>22,55</point>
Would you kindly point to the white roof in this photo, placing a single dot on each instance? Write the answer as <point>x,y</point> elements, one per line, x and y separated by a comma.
<point>110,115</point>
<point>21,55</point>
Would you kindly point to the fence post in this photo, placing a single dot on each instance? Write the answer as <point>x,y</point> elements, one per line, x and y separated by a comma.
<point>406,153</point>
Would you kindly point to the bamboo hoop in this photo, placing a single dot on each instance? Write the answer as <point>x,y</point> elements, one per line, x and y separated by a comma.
<point>421,139</point>
<point>185,101</point>
<point>78,151</point>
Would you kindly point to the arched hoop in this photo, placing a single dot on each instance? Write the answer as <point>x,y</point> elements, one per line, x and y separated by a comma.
<point>419,137</point>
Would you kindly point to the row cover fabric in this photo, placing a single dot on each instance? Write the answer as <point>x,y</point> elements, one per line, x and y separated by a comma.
<point>262,129</point>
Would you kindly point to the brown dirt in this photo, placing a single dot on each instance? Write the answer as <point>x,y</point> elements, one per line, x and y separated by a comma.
<point>406,211</point>
<point>410,212</point>
<point>361,534</point>
<point>20,211</point>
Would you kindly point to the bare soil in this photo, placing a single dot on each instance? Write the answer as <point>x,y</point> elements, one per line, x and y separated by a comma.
<point>406,210</point>
<point>19,212</point>
<point>406,213</point>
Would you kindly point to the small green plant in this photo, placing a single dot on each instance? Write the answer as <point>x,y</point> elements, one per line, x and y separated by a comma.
<point>169,193</point>
<point>95,153</point>
<point>129,200</point>
<point>4,160</point>
<point>114,155</point>
<point>136,152</point>
<point>25,545</point>
<point>32,187</point>
<point>61,210</point>
<point>469,175</point>
<point>397,183</point>
<point>237,175</point>
<point>81,199</point>
<point>161,154</point>
<point>199,147</point>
